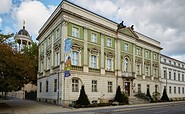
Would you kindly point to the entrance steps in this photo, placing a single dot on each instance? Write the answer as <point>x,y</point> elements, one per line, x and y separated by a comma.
<point>135,100</point>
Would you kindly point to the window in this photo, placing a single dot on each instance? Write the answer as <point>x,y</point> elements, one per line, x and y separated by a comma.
<point>94,86</point>
<point>109,87</point>
<point>75,58</point>
<point>56,58</point>
<point>137,51</point>
<point>46,86</point>
<point>75,32</point>
<point>174,76</point>
<point>48,63</point>
<point>58,33</point>
<point>165,60</point>
<point>75,85</point>
<point>179,77</point>
<point>139,87</point>
<point>169,62</point>
<point>109,42</point>
<point>183,77</point>
<point>146,71</point>
<point>170,89</point>
<point>165,74</point>
<point>179,64</point>
<point>155,57</point>
<point>126,47</point>
<point>55,85</point>
<point>182,90</point>
<point>138,69</point>
<point>40,87</point>
<point>125,65</point>
<point>93,61</point>
<point>174,90</point>
<point>170,75</point>
<point>146,54</point>
<point>182,66</point>
<point>42,66</point>
<point>109,64</point>
<point>93,37</point>
<point>179,89</point>
<point>175,63</point>
<point>155,72</point>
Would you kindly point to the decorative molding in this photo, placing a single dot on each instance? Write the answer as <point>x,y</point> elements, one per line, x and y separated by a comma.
<point>109,54</point>
<point>48,52</point>
<point>56,46</point>
<point>77,46</point>
<point>42,56</point>
<point>94,51</point>
<point>147,62</point>
<point>138,60</point>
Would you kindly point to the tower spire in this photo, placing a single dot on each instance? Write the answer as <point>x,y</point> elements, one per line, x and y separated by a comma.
<point>23,24</point>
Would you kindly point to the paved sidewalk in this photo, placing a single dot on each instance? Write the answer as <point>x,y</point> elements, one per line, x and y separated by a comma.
<point>19,106</point>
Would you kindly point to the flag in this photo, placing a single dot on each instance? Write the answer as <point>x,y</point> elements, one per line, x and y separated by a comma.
<point>68,44</point>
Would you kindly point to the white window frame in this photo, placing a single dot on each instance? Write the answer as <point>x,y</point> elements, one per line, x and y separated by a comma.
<point>147,69</point>
<point>75,32</point>
<point>94,63</point>
<point>126,47</point>
<point>94,37</point>
<point>109,66</point>
<point>94,86</point>
<point>137,51</point>
<point>75,60</point>
<point>75,85</point>
<point>110,87</point>
<point>147,54</point>
<point>109,42</point>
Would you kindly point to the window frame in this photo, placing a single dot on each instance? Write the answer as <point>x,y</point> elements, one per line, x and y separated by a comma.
<point>110,90</point>
<point>94,86</point>
<point>109,42</point>
<point>75,85</point>
<point>75,31</point>
<point>94,39</point>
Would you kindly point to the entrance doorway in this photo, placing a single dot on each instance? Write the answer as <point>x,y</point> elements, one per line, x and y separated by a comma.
<point>127,88</point>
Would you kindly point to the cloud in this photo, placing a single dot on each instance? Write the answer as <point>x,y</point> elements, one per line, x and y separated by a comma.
<point>34,13</point>
<point>5,6</point>
<point>1,21</point>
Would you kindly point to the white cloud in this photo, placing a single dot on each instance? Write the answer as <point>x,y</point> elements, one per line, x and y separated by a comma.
<point>8,30</point>
<point>1,21</point>
<point>34,13</point>
<point>5,6</point>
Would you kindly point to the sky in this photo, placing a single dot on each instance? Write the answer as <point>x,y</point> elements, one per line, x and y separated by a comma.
<point>162,20</point>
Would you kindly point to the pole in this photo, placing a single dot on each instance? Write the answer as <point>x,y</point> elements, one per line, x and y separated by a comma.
<point>166,81</point>
<point>58,91</point>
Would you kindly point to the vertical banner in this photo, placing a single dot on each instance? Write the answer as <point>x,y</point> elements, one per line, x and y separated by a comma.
<point>68,44</point>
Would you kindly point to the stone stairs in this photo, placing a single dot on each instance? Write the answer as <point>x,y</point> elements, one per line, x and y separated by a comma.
<point>135,100</point>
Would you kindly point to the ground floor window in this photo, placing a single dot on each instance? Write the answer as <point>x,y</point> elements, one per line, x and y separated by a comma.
<point>75,85</point>
<point>139,87</point>
<point>109,86</point>
<point>170,89</point>
<point>55,85</point>
<point>94,85</point>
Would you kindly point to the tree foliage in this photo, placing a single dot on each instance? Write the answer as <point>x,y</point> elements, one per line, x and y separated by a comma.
<point>164,98</point>
<point>121,97</point>
<point>32,53</point>
<point>4,37</point>
<point>83,99</point>
<point>16,69</point>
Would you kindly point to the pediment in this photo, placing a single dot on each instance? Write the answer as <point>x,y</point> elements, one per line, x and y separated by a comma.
<point>94,50</point>
<point>129,32</point>
<point>77,46</point>
<point>109,54</point>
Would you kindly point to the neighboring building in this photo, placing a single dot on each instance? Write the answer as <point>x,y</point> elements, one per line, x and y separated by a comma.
<point>22,38</point>
<point>104,55</point>
<point>172,77</point>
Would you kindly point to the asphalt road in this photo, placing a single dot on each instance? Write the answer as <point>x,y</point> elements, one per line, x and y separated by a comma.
<point>18,106</point>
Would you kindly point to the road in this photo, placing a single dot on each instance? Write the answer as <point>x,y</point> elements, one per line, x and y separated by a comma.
<point>18,106</point>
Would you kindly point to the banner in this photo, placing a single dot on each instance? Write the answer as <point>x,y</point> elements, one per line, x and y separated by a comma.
<point>68,44</point>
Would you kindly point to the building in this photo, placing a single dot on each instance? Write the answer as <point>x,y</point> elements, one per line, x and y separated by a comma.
<point>172,77</point>
<point>104,55</point>
<point>22,38</point>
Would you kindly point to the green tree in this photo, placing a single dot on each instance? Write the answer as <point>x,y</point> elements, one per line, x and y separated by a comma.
<point>83,99</point>
<point>164,98</point>
<point>4,37</point>
<point>16,69</point>
<point>32,53</point>
<point>121,97</point>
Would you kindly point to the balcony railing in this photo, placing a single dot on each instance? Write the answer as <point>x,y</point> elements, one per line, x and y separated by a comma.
<point>79,68</point>
<point>128,74</point>
<point>94,70</point>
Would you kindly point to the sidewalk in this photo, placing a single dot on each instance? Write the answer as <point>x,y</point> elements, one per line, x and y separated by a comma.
<point>19,106</point>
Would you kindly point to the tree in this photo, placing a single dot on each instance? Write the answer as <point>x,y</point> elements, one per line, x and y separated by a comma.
<point>3,37</point>
<point>32,53</point>
<point>164,98</point>
<point>120,97</point>
<point>148,94</point>
<point>83,99</point>
<point>16,69</point>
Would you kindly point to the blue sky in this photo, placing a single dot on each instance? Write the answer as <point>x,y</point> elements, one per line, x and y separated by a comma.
<point>162,20</point>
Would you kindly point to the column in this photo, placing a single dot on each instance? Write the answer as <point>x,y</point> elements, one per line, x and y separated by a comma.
<point>102,55</point>
<point>86,55</point>
<point>52,52</point>
<point>134,61</point>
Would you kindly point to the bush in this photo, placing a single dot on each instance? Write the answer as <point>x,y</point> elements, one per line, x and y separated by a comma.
<point>164,98</point>
<point>83,99</point>
<point>156,96</point>
<point>142,96</point>
<point>122,98</point>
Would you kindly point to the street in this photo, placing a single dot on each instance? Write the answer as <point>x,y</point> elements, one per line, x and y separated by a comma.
<point>19,106</point>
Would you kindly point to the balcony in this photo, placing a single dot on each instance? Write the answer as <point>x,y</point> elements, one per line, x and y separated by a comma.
<point>128,75</point>
<point>79,68</point>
